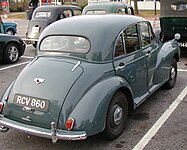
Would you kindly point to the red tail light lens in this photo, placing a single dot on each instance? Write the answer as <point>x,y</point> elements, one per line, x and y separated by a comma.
<point>70,123</point>
<point>1,106</point>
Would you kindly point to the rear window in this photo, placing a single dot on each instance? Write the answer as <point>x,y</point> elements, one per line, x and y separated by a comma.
<point>43,14</point>
<point>95,12</point>
<point>68,44</point>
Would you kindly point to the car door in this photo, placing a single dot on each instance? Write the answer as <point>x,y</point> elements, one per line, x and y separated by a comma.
<point>150,48</point>
<point>130,62</point>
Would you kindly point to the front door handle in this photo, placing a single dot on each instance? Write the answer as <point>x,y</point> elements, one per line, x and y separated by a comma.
<point>121,66</point>
<point>148,54</point>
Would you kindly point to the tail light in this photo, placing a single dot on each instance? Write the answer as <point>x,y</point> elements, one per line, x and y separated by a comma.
<point>70,123</point>
<point>1,106</point>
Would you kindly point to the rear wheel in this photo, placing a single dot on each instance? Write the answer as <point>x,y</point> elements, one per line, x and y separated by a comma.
<point>11,53</point>
<point>173,75</point>
<point>116,116</point>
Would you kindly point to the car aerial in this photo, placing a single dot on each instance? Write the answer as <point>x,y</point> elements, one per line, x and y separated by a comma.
<point>83,82</point>
<point>45,15</point>
<point>108,7</point>
<point>173,18</point>
<point>11,46</point>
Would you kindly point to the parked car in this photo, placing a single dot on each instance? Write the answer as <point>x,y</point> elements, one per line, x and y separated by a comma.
<point>173,18</point>
<point>8,27</point>
<point>83,82</point>
<point>11,48</point>
<point>44,16</point>
<point>108,7</point>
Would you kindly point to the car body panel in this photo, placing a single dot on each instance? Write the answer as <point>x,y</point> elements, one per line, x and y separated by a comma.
<point>81,84</point>
<point>41,90</point>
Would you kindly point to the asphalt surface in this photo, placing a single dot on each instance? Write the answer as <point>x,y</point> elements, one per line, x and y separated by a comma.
<point>159,123</point>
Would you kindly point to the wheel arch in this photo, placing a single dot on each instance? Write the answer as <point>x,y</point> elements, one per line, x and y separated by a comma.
<point>87,112</point>
<point>176,56</point>
<point>11,29</point>
<point>128,94</point>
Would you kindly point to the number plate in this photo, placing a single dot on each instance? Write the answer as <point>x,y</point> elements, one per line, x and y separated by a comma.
<point>32,102</point>
<point>34,32</point>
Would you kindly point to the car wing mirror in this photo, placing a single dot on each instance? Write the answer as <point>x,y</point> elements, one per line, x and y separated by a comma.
<point>177,36</point>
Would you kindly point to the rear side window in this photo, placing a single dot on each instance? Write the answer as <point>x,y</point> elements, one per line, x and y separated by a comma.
<point>77,12</point>
<point>68,44</point>
<point>67,13</point>
<point>128,41</point>
<point>131,39</point>
<point>121,11</point>
<point>144,32</point>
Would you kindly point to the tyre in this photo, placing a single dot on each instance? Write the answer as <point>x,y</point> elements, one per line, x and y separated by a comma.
<point>10,32</point>
<point>11,53</point>
<point>116,116</point>
<point>173,75</point>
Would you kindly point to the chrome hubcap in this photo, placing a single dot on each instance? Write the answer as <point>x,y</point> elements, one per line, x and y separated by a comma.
<point>173,72</point>
<point>118,113</point>
<point>13,53</point>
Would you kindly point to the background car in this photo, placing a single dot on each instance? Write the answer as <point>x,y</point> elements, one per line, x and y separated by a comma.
<point>8,27</point>
<point>173,18</point>
<point>108,7</point>
<point>88,75</point>
<point>44,16</point>
<point>11,48</point>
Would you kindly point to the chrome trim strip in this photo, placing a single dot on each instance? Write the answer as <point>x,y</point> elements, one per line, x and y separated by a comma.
<point>42,132</point>
<point>78,63</point>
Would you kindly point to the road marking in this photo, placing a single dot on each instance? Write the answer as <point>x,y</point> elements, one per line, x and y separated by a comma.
<point>12,66</point>
<point>181,70</point>
<point>30,57</point>
<point>147,137</point>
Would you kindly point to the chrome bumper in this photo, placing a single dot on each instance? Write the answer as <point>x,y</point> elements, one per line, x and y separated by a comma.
<point>52,133</point>
<point>29,41</point>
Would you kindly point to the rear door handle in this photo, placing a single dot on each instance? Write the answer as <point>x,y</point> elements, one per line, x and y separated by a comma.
<point>121,66</point>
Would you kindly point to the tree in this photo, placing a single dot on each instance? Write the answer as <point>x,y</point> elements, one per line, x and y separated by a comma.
<point>136,7</point>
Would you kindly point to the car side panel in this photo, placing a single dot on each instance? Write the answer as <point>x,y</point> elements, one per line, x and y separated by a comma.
<point>90,112</point>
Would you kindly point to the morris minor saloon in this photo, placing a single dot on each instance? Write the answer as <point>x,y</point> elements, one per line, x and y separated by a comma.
<point>88,76</point>
<point>44,16</point>
<point>173,19</point>
<point>108,8</point>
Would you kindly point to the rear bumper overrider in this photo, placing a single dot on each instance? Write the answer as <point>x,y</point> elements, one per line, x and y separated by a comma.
<point>53,133</point>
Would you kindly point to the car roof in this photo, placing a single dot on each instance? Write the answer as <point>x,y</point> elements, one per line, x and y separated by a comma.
<point>101,30</point>
<point>55,7</point>
<point>109,7</point>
